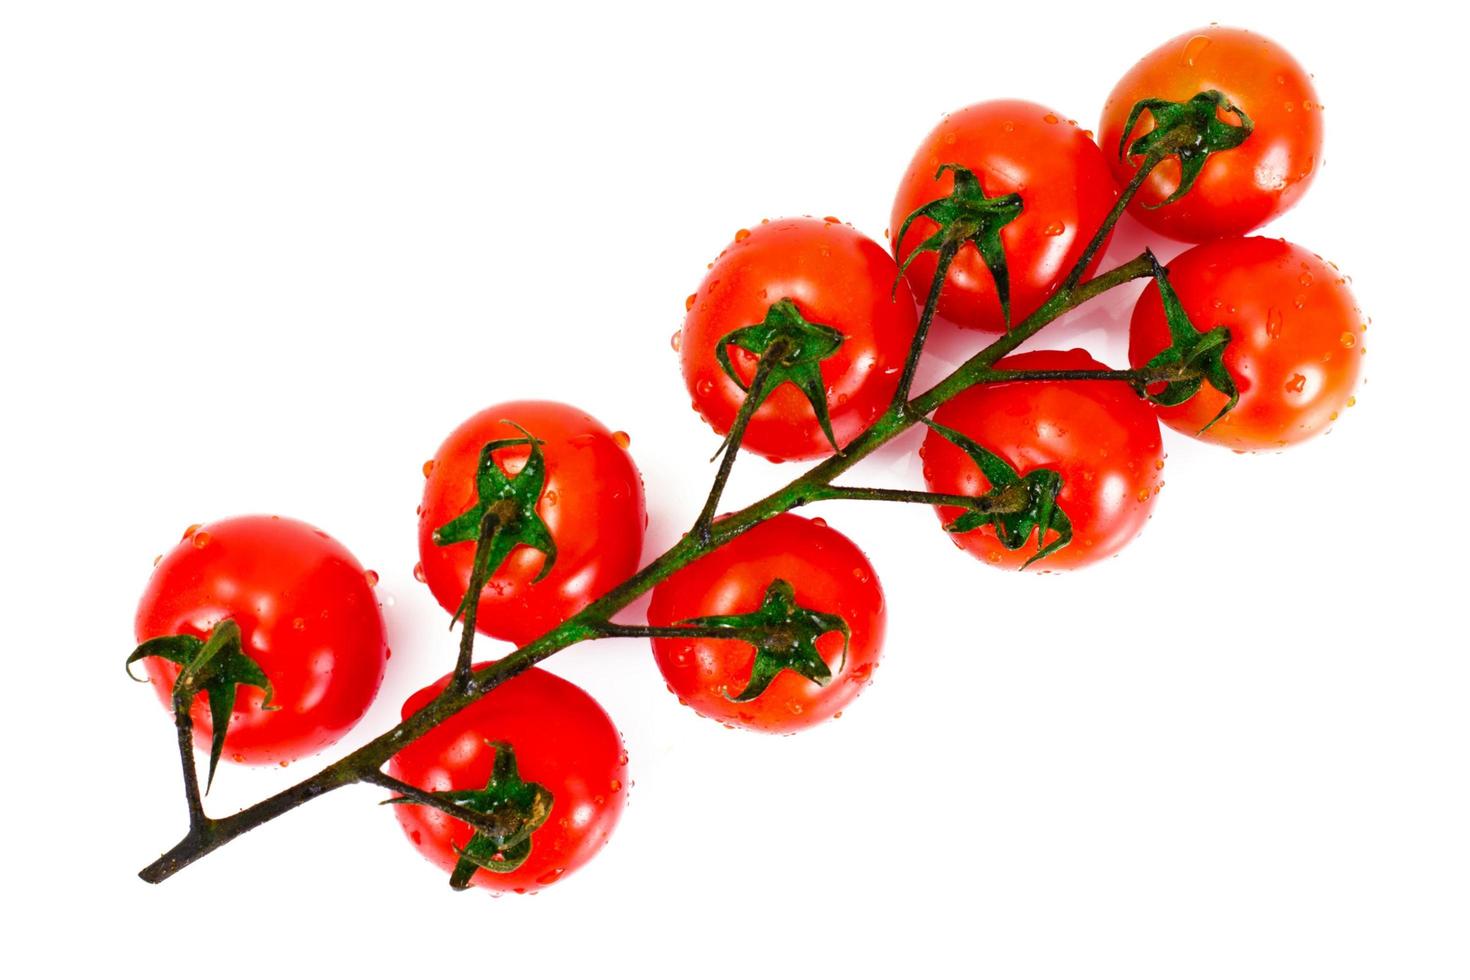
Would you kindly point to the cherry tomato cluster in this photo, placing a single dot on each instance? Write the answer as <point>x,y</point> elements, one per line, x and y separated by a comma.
<point>264,636</point>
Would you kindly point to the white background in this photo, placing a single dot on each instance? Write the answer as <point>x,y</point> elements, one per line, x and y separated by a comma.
<point>262,257</point>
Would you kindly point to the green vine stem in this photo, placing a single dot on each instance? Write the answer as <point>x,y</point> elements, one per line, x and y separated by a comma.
<point>729,449</point>
<point>364,765</point>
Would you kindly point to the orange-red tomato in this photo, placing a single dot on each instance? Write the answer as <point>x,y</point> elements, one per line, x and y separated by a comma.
<point>307,616</point>
<point>1099,435</point>
<point>1242,188</point>
<point>591,502</point>
<point>1296,340</point>
<point>1012,147</point>
<point>836,277</point>
<point>562,741</point>
<point>829,574</point>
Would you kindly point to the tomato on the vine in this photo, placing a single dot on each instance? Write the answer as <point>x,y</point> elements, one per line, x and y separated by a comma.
<point>1239,190</point>
<point>1296,340</point>
<point>1012,147</point>
<point>836,279</point>
<point>534,731</point>
<point>308,617</point>
<point>589,503</point>
<point>800,574</point>
<point>1099,436</point>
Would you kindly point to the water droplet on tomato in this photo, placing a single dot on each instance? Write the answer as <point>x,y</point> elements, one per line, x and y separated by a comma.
<point>418,572</point>
<point>551,876</point>
<point>189,531</point>
<point>201,539</point>
<point>1305,278</point>
<point>677,340</point>
<point>1194,48</point>
<point>615,785</point>
<point>1352,400</point>
<point>156,560</point>
<point>428,467</point>
<point>1054,229</point>
<point>819,522</point>
<point>1051,118</point>
<point>689,302</point>
<point>742,234</point>
<point>1273,323</point>
<point>1296,383</point>
<point>1348,338</point>
<point>371,577</point>
<point>705,386</point>
<point>622,439</point>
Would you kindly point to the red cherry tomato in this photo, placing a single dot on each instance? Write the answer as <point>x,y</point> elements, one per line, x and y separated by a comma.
<point>1238,189</point>
<point>1099,435</point>
<point>591,502</point>
<point>836,277</point>
<point>307,615</point>
<point>828,574</point>
<point>1296,340</point>
<point>562,741</point>
<point>1012,147</point>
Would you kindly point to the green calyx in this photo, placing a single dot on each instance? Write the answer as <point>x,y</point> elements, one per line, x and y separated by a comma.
<point>965,216</point>
<point>504,514</point>
<point>217,665</point>
<point>1189,130</point>
<point>523,806</point>
<point>1015,505</point>
<point>784,635</point>
<point>793,348</point>
<point>1191,359</point>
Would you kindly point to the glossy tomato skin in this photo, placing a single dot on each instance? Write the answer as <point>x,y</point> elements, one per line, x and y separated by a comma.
<point>1296,340</point>
<point>562,739</point>
<point>835,276</point>
<point>1012,147</point>
<point>1239,189</point>
<point>307,615</point>
<point>829,573</point>
<point>1099,435</point>
<point>592,503</point>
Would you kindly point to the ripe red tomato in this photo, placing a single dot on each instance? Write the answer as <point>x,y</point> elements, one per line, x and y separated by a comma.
<point>562,740</point>
<point>1239,189</point>
<point>1099,435</point>
<point>307,615</point>
<point>836,277</point>
<point>1012,147</point>
<point>591,503</point>
<point>827,573</point>
<point>1296,340</point>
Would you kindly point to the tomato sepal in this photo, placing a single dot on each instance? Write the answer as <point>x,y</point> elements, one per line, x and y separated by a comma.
<point>1021,504</point>
<point>1192,358</point>
<point>965,216</point>
<point>528,805</point>
<point>1191,130</point>
<point>217,666</point>
<point>504,514</point>
<point>794,348</point>
<point>784,635</point>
